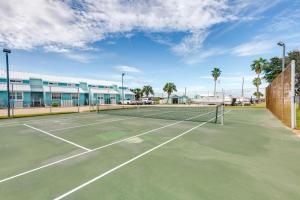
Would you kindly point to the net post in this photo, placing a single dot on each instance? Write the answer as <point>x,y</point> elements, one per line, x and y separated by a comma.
<point>217,111</point>
<point>293,110</point>
<point>222,107</point>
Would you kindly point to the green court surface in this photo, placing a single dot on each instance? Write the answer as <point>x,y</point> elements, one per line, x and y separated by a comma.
<point>106,156</point>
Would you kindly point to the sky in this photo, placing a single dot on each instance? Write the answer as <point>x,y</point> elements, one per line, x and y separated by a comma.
<point>153,42</point>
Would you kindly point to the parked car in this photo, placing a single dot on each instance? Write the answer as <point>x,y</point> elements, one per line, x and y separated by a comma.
<point>126,101</point>
<point>146,101</point>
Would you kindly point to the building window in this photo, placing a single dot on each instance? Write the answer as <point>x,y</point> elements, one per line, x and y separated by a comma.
<point>52,83</point>
<point>15,81</point>
<point>71,85</point>
<point>16,96</point>
<point>75,97</point>
<point>56,96</point>
<point>100,96</point>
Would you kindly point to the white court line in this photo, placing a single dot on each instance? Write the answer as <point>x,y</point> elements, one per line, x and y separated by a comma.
<point>102,122</point>
<point>129,161</point>
<point>18,123</point>
<point>83,153</point>
<point>62,139</point>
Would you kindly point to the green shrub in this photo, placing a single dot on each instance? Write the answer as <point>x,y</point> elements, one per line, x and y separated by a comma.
<point>55,104</point>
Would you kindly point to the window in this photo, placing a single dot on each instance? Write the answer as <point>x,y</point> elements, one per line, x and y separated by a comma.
<point>71,85</point>
<point>74,96</point>
<point>16,96</point>
<point>56,96</point>
<point>100,96</point>
<point>15,81</point>
<point>52,83</point>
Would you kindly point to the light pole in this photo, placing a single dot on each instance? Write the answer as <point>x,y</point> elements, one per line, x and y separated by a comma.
<point>282,76</point>
<point>7,51</point>
<point>123,74</point>
<point>283,53</point>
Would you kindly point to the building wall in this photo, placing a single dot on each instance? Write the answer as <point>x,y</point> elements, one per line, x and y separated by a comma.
<point>36,85</point>
<point>26,99</point>
<point>3,99</point>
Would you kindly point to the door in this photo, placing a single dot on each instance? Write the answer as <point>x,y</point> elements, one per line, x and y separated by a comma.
<point>37,99</point>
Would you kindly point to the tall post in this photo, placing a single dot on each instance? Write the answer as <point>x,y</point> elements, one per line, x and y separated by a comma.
<point>282,75</point>
<point>78,100</point>
<point>123,88</point>
<point>293,110</point>
<point>13,100</point>
<point>50,90</point>
<point>223,107</point>
<point>7,51</point>
<point>242,95</point>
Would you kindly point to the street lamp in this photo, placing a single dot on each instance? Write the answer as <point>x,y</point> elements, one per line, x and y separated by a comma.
<point>123,74</point>
<point>283,53</point>
<point>7,51</point>
<point>282,76</point>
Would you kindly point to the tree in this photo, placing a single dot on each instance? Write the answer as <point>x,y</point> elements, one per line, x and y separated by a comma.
<point>216,73</point>
<point>147,89</point>
<point>169,88</point>
<point>273,69</point>
<point>295,55</point>
<point>257,82</point>
<point>258,66</point>
<point>138,93</point>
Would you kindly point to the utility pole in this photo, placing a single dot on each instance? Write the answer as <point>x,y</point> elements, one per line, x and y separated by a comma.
<point>282,75</point>
<point>123,74</point>
<point>242,92</point>
<point>7,51</point>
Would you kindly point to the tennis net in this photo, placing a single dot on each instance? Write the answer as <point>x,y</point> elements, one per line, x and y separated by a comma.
<point>208,113</point>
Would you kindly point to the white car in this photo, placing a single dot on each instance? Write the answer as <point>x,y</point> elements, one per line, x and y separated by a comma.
<point>126,101</point>
<point>146,101</point>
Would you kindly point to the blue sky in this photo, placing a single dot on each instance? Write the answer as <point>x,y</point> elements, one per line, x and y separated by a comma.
<point>153,42</point>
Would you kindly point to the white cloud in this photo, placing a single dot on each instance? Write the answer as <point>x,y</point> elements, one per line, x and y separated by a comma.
<point>62,26</point>
<point>39,23</point>
<point>190,44</point>
<point>83,58</point>
<point>254,48</point>
<point>124,68</point>
<point>203,54</point>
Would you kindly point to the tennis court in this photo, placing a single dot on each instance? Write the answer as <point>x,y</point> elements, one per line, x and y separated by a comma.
<point>165,153</point>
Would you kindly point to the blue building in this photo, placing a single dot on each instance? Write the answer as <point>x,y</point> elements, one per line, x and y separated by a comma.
<point>36,90</point>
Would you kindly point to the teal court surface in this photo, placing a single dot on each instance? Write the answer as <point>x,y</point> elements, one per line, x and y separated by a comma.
<point>108,155</point>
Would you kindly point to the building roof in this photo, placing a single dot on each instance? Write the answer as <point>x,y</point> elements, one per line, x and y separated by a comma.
<point>51,78</point>
<point>103,91</point>
<point>58,89</point>
<point>16,87</point>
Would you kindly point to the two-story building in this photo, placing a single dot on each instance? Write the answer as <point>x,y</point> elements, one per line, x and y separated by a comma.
<point>36,90</point>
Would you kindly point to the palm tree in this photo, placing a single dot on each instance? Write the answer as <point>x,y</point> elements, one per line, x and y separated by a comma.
<point>147,89</point>
<point>216,73</point>
<point>137,92</point>
<point>257,82</point>
<point>169,88</point>
<point>258,66</point>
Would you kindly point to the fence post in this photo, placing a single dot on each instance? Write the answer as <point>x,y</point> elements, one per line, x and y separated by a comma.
<point>50,91</point>
<point>293,110</point>
<point>78,100</point>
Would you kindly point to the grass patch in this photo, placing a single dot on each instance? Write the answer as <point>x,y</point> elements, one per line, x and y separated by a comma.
<point>297,117</point>
<point>260,105</point>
